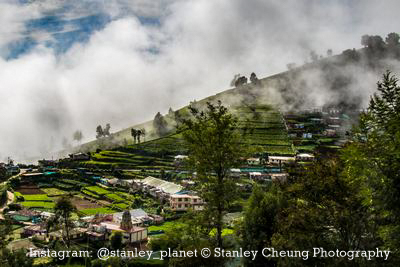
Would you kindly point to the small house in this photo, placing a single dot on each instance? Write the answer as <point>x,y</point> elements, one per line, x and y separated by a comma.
<point>253,161</point>
<point>79,156</point>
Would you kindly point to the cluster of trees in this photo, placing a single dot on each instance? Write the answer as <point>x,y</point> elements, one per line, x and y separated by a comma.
<point>376,48</point>
<point>348,200</point>
<point>137,133</point>
<point>239,80</point>
<point>214,146</point>
<point>77,136</point>
<point>103,132</point>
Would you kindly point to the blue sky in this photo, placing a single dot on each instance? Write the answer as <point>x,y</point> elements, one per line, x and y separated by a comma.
<point>61,31</point>
<point>68,65</point>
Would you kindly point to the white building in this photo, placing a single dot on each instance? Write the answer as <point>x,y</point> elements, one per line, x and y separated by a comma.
<point>305,157</point>
<point>276,160</point>
<point>134,235</point>
<point>138,217</point>
<point>185,202</point>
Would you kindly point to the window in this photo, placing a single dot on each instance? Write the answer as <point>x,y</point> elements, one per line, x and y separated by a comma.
<point>186,199</point>
<point>195,200</point>
<point>179,199</point>
<point>186,205</point>
<point>179,205</point>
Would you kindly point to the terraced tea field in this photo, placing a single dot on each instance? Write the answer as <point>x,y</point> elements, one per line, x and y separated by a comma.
<point>263,127</point>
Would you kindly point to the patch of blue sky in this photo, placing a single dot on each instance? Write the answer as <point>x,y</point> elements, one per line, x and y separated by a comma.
<point>153,21</point>
<point>19,47</point>
<point>64,31</point>
<point>48,23</point>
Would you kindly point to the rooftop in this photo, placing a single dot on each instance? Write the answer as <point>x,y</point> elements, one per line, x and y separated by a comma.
<point>165,186</point>
<point>116,227</point>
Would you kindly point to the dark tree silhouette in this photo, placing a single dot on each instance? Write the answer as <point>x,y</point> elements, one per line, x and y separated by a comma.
<point>160,124</point>
<point>392,39</point>
<point>240,81</point>
<point>99,132</point>
<point>77,136</point>
<point>254,79</point>
<point>139,133</point>
<point>134,135</point>
<point>106,131</point>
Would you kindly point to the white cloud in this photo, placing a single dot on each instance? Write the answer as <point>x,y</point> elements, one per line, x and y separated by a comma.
<point>202,44</point>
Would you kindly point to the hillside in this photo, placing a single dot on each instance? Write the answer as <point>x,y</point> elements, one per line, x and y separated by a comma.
<point>345,81</point>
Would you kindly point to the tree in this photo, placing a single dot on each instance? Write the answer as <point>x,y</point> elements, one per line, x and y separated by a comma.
<point>171,112</point>
<point>374,158</point>
<point>329,52</point>
<point>192,233</point>
<point>116,240</point>
<point>77,136</point>
<point>392,39</point>
<point>99,132</point>
<point>5,230</point>
<point>234,80</point>
<point>143,130</point>
<point>160,124</point>
<point>365,39</point>
<point>240,81</point>
<point>214,148</point>
<point>324,208</point>
<point>134,135</point>
<point>260,221</point>
<point>137,203</point>
<point>139,133</point>
<point>106,131</point>
<point>63,211</point>
<point>51,223</point>
<point>17,258</point>
<point>254,79</point>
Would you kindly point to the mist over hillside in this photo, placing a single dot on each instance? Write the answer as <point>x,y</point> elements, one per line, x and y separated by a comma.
<point>68,66</point>
<point>345,82</point>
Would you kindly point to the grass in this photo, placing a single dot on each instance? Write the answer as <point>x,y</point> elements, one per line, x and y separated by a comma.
<point>54,191</point>
<point>166,226</point>
<point>122,206</point>
<point>97,189</point>
<point>38,204</point>
<point>115,197</point>
<point>90,194</point>
<point>226,231</point>
<point>37,197</point>
<point>94,211</point>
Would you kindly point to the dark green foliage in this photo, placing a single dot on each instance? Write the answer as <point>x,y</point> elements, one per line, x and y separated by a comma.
<point>260,222</point>
<point>13,259</point>
<point>192,234</point>
<point>324,209</point>
<point>116,240</point>
<point>214,146</point>
<point>63,211</point>
<point>374,160</point>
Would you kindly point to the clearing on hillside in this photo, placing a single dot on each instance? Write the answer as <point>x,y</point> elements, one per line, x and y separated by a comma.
<point>29,190</point>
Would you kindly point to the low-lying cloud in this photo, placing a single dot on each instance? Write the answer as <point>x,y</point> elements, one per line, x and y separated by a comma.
<point>129,70</point>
